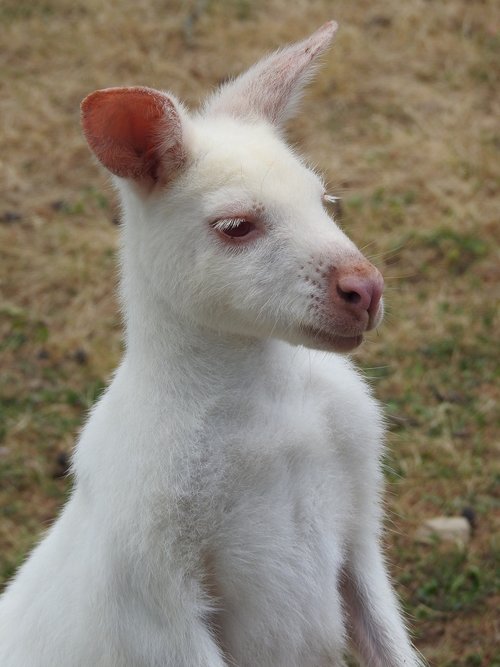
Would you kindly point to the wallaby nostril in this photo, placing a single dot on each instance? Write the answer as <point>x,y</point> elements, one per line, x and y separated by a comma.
<point>350,297</point>
<point>359,292</point>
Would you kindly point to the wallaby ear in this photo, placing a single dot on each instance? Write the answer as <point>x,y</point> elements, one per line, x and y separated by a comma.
<point>271,88</point>
<point>136,133</point>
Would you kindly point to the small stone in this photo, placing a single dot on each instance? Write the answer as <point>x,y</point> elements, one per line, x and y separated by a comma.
<point>446,528</point>
<point>379,21</point>
<point>4,451</point>
<point>80,356</point>
<point>11,216</point>
<point>58,205</point>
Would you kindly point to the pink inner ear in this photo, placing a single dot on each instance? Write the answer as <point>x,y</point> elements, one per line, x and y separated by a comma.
<point>123,128</point>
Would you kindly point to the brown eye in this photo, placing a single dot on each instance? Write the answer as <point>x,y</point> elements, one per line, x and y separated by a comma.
<point>241,229</point>
<point>234,228</point>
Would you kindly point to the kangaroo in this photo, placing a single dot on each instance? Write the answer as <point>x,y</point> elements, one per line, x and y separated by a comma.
<point>226,508</point>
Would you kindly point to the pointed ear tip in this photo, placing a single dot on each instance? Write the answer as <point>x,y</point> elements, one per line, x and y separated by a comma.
<point>329,27</point>
<point>85,103</point>
<point>125,93</point>
<point>90,99</point>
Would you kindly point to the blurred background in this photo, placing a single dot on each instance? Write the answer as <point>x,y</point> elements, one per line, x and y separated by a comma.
<point>403,119</point>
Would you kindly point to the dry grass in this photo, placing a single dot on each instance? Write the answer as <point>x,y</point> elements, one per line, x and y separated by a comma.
<point>404,120</point>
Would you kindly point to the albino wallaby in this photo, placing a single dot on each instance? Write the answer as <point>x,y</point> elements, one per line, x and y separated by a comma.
<point>226,507</point>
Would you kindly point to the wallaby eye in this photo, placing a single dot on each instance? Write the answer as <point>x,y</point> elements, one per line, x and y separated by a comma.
<point>234,228</point>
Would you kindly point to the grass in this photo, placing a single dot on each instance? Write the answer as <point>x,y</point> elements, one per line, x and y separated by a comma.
<point>403,119</point>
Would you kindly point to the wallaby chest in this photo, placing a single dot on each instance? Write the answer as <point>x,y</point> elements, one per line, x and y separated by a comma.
<point>277,465</point>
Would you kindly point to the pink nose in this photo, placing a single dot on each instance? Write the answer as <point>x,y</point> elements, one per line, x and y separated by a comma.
<point>360,291</point>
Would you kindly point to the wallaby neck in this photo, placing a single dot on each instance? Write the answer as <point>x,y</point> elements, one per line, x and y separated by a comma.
<point>166,347</point>
<point>165,350</point>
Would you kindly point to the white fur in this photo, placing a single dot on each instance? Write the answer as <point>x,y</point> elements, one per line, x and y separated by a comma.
<point>226,507</point>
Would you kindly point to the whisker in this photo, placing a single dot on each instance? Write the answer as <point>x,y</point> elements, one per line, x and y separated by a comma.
<point>401,275</point>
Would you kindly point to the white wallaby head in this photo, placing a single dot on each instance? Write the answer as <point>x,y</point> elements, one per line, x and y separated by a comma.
<point>225,227</point>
